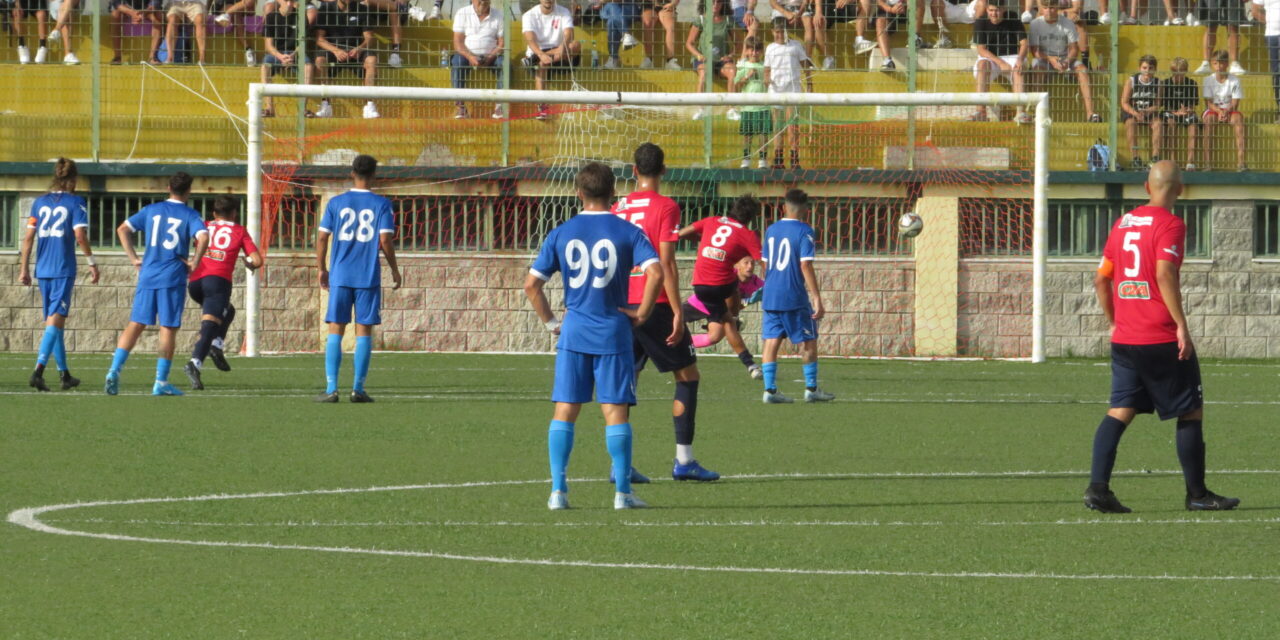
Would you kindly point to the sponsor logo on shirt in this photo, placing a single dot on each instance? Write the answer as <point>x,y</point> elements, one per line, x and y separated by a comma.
<point>1134,290</point>
<point>216,254</point>
<point>713,253</point>
<point>1130,220</point>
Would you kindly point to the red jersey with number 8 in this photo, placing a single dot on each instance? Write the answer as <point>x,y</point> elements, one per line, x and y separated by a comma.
<point>1138,240</point>
<point>226,240</point>
<point>724,242</point>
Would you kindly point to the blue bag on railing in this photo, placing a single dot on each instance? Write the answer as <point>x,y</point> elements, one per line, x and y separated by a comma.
<point>1099,157</point>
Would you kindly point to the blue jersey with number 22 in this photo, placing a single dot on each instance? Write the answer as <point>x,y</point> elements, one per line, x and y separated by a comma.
<point>167,230</point>
<point>594,251</point>
<point>787,243</point>
<point>55,217</point>
<point>357,219</point>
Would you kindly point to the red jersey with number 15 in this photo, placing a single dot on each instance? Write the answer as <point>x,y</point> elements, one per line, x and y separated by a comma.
<point>226,240</point>
<point>724,242</point>
<point>659,217</point>
<point>1138,240</point>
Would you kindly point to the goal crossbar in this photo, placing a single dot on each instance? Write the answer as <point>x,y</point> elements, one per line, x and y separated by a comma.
<point>1039,101</point>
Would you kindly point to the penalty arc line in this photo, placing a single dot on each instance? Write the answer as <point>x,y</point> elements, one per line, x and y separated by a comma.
<point>30,519</point>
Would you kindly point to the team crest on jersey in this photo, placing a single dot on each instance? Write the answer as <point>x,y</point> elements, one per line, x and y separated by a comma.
<point>713,253</point>
<point>1130,220</point>
<point>1134,290</point>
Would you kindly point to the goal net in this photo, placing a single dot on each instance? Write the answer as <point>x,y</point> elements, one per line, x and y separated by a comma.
<point>484,175</point>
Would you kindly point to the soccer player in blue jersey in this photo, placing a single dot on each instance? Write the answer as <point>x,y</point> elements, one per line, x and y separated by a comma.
<point>792,302</point>
<point>168,229</point>
<point>594,252</point>
<point>59,221</point>
<point>359,222</point>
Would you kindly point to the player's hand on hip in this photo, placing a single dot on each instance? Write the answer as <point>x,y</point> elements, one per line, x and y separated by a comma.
<point>1185,348</point>
<point>324,280</point>
<point>94,274</point>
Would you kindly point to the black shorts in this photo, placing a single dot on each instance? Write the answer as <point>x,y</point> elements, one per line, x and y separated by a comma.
<point>714,298</point>
<point>213,294</point>
<point>895,20</point>
<point>30,7</point>
<point>649,342</point>
<point>847,13</point>
<point>354,66</point>
<point>1219,13</point>
<point>555,68</point>
<point>1150,378</point>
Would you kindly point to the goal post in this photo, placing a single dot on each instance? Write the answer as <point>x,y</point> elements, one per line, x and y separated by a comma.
<point>662,114</point>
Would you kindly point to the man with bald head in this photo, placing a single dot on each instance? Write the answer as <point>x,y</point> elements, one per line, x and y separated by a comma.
<point>1153,361</point>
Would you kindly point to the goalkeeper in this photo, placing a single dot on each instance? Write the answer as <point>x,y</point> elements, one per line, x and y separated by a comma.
<point>751,288</point>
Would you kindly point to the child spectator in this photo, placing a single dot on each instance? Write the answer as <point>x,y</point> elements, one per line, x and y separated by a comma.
<point>755,120</point>
<point>1222,95</point>
<point>1216,13</point>
<point>1054,46</point>
<point>1140,101</point>
<point>1181,99</point>
<point>799,13</point>
<point>784,63</point>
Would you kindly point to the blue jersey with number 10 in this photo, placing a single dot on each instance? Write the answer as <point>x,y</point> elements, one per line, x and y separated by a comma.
<point>55,217</point>
<point>594,251</point>
<point>167,230</point>
<point>357,219</point>
<point>787,243</point>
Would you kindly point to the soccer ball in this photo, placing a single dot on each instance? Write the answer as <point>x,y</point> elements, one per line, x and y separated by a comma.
<point>910,225</point>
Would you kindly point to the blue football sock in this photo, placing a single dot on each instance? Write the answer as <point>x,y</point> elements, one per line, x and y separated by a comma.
<point>811,375</point>
<point>332,362</point>
<point>364,353</point>
<point>559,446</point>
<point>162,369</point>
<point>617,438</point>
<point>118,360</point>
<point>770,370</point>
<point>60,349</point>
<point>46,344</point>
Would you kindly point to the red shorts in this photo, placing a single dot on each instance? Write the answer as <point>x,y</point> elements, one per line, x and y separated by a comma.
<point>1208,113</point>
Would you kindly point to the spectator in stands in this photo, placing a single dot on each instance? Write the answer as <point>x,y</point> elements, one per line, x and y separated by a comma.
<point>756,120</point>
<point>1180,98</point>
<point>1171,16</point>
<point>1216,13</point>
<point>548,35</point>
<point>477,42</point>
<point>1222,95</point>
<point>1141,102</point>
<point>344,37</point>
<point>393,10</point>
<point>656,13</point>
<point>62,30</point>
<point>280,42</point>
<point>718,24</point>
<point>618,16</point>
<point>1002,51</point>
<point>833,12</point>
<point>785,62</point>
<point>1056,53</point>
<point>137,12</point>
<point>21,8</point>
<point>234,14</point>
<point>744,18</point>
<point>1075,12</point>
<point>961,12</point>
<point>891,16</point>
<point>1268,13</point>
<point>799,13</point>
<point>194,10</point>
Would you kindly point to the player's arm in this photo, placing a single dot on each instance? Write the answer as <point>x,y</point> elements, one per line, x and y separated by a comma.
<point>811,283</point>
<point>1168,278</point>
<point>1022,54</point>
<point>652,285</point>
<point>1126,98</point>
<point>385,239</point>
<point>1102,285</point>
<point>689,231</point>
<point>82,239</point>
<point>365,44</point>
<point>322,258</point>
<point>202,245</point>
<point>28,241</point>
<point>125,233</point>
<point>323,42</point>
<point>538,299</point>
<point>671,284</point>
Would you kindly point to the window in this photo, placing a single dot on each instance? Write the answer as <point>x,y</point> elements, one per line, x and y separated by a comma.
<point>1079,228</point>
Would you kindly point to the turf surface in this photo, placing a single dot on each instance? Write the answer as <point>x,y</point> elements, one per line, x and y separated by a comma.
<point>930,500</point>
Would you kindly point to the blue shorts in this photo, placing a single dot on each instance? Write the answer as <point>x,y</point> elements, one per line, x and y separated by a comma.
<point>56,293</point>
<point>612,376</point>
<point>1150,378</point>
<point>164,305</point>
<point>367,302</point>
<point>797,324</point>
<point>739,13</point>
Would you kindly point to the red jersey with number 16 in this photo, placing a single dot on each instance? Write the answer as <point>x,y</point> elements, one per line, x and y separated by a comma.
<point>1138,240</point>
<point>226,240</point>
<point>659,217</point>
<point>724,242</point>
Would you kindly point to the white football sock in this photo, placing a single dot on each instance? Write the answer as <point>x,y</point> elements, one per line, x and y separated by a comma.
<point>684,453</point>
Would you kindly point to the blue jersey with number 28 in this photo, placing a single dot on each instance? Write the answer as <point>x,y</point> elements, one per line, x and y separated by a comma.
<point>55,217</point>
<point>787,243</point>
<point>357,219</point>
<point>167,230</point>
<point>594,252</point>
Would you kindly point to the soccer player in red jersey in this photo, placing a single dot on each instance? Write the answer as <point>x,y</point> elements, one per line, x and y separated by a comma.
<point>726,240</point>
<point>662,338</point>
<point>1153,361</point>
<point>210,285</point>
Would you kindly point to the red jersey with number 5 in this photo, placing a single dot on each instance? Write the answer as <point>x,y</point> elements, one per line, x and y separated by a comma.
<point>226,240</point>
<point>659,217</point>
<point>1138,240</point>
<point>724,242</point>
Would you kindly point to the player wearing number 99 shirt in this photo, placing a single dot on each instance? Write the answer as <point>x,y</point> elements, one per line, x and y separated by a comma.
<point>360,222</point>
<point>167,231</point>
<point>595,252</point>
<point>210,285</point>
<point>1153,361</point>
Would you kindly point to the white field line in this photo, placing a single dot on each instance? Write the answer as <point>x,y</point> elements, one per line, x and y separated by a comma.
<point>30,518</point>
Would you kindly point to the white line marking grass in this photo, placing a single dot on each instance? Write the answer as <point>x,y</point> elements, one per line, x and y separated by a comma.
<point>31,519</point>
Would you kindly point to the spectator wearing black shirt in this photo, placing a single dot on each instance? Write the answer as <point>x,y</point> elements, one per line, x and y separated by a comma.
<point>1180,100</point>
<point>344,35</point>
<point>1142,105</point>
<point>1001,43</point>
<point>280,41</point>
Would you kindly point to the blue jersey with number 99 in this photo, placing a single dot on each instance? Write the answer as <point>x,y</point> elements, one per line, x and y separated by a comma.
<point>594,252</point>
<point>357,219</point>
<point>167,230</point>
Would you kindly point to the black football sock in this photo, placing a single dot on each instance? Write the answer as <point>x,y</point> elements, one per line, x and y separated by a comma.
<point>64,374</point>
<point>1190,438</point>
<point>39,370</point>
<point>745,357</point>
<point>208,330</point>
<point>686,395</point>
<point>1105,442</point>
<point>227,318</point>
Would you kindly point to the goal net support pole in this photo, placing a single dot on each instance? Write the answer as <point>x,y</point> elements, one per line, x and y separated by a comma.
<point>1038,101</point>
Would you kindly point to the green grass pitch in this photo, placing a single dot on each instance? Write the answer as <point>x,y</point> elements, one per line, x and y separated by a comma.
<point>932,499</point>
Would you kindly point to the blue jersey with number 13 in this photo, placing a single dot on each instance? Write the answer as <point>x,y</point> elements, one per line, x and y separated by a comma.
<point>167,230</point>
<point>357,219</point>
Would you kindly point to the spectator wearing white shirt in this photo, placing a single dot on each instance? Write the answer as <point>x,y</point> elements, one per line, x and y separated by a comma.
<point>548,34</point>
<point>477,42</point>
<point>785,62</point>
<point>1055,49</point>
<point>1222,95</point>
<point>1268,13</point>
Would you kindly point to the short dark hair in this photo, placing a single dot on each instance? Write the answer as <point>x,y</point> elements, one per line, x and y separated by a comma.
<point>780,23</point>
<point>1220,56</point>
<point>1147,58</point>
<point>650,160</point>
<point>180,183</point>
<point>745,209</point>
<point>364,166</point>
<point>595,181</point>
<point>796,198</point>
<point>225,206</point>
